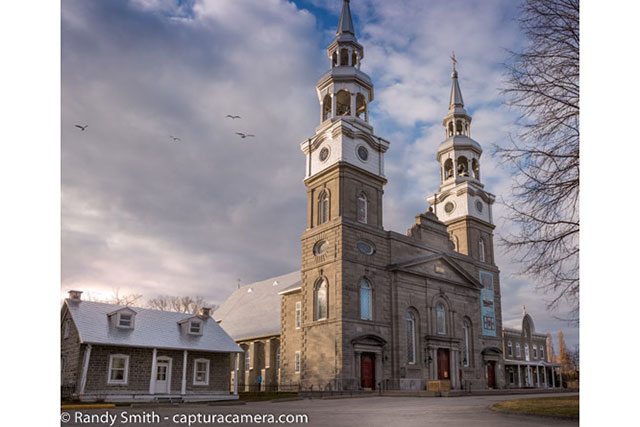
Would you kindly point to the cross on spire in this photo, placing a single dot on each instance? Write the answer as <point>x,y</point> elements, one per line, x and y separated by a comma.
<point>453,58</point>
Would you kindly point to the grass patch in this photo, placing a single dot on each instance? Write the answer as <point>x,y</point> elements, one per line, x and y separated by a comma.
<point>256,397</point>
<point>566,406</point>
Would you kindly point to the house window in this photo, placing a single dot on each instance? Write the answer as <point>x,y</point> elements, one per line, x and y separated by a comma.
<point>298,314</point>
<point>195,327</point>
<point>365,300</point>
<point>440,320</point>
<point>509,349</point>
<point>201,372</point>
<point>297,362</point>
<point>535,351</point>
<point>247,359</point>
<point>526,352</point>
<point>67,328</point>
<point>541,353</point>
<point>511,376</point>
<point>323,208</point>
<point>125,320</point>
<point>482,250</point>
<point>466,342</point>
<point>411,338</point>
<point>321,300</point>
<point>362,208</point>
<point>118,369</point>
<point>518,354</point>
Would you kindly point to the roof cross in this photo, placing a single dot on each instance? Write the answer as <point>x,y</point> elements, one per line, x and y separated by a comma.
<point>453,58</point>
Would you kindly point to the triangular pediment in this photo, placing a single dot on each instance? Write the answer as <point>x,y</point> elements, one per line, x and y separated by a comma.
<point>438,265</point>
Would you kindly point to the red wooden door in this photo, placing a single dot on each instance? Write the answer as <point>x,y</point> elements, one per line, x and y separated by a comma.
<point>491,374</point>
<point>443,364</point>
<point>367,371</point>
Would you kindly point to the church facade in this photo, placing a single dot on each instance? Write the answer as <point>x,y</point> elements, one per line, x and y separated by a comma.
<point>371,308</point>
<point>376,308</point>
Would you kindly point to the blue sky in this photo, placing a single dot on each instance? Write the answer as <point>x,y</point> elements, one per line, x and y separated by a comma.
<point>143,214</point>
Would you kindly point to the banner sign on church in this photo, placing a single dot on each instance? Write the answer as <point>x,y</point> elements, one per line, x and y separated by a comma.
<point>487,302</point>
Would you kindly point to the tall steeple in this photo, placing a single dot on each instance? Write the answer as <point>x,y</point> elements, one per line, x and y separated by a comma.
<point>461,201</point>
<point>345,25</point>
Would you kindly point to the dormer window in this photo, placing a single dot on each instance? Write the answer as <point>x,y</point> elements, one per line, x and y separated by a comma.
<point>125,320</point>
<point>195,327</point>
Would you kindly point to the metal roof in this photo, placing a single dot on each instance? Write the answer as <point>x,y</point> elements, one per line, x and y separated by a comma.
<point>152,328</point>
<point>254,310</point>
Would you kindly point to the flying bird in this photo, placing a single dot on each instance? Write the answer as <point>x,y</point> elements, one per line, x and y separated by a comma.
<point>244,135</point>
<point>233,117</point>
<point>175,138</point>
<point>82,128</point>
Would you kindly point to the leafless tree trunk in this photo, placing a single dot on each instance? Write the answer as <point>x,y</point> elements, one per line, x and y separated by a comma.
<point>544,84</point>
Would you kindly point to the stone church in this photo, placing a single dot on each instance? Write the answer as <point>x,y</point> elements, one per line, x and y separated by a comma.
<point>372,308</point>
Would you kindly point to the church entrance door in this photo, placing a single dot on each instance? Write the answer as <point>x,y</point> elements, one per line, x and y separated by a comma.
<point>367,371</point>
<point>443,364</point>
<point>491,374</point>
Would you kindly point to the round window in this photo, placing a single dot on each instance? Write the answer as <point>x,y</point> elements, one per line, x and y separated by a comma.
<point>321,247</point>
<point>363,153</point>
<point>479,205</point>
<point>366,248</point>
<point>449,207</point>
<point>324,154</point>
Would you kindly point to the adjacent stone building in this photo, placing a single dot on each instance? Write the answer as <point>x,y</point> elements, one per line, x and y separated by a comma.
<point>526,361</point>
<point>114,353</point>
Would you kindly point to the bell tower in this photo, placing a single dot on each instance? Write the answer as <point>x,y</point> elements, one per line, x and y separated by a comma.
<point>461,201</point>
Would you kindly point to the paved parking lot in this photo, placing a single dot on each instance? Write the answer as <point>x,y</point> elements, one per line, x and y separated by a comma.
<point>364,411</point>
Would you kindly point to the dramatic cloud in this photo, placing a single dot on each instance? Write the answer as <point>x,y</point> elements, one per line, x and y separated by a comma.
<point>144,213</point>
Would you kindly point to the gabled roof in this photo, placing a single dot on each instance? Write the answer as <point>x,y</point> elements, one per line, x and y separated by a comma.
<point>254,310</point>
<point>406,265</point>
<point>153,329</point>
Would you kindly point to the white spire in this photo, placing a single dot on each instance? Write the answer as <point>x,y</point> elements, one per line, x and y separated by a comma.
<point>455,100</point>
<point>346,23</point>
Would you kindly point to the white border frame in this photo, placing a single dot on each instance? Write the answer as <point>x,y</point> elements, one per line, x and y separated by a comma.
<point>195,370</point>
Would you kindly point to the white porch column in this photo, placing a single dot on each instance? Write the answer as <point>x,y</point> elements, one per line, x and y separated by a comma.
<point>235,376</point>
<point>152,382</point>
<point>183,390</point>
<point>537,376</point>
<point>553,377</point>
<point>85,368</point>
<point>560,373</point>
<point>519,377</point>
<point>546,384</point>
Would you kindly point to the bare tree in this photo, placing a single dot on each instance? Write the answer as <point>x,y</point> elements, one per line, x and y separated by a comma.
<point>181,304</point>
<point>129,300</point>
<point>543,83</point>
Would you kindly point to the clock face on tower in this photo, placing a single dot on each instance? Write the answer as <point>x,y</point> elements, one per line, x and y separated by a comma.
<point>324,154</point>
<point>363,153</point>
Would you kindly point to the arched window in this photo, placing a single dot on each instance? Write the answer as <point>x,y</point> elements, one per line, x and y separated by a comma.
<point>459,128</point>
<point>361,106</point>
<point>411,338</point>
<point>466,343</point>
<point>466,128</point>
<point>343,103</point>
<point>481,250</point>
<point>440,319</point>
<point>326,107</point>
<point>344,57</point>
<point>321,300</point>
<point>362,208</point>
<point>334,59</point>
<point>354,59</point>
<point>365,300</point>
<point>463,166</point>
<point>448,169</point>
<point>475,167</point>
<point>509,349</point>
<point>323,208</point>
<point>450,128</point>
